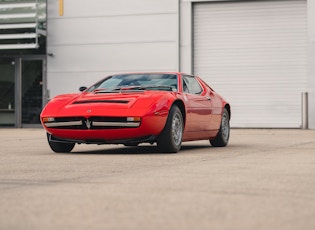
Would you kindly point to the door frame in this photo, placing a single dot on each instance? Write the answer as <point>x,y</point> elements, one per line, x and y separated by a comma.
<point>18,87</point>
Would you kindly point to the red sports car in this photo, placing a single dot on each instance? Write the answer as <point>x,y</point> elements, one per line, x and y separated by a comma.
<point>165,108</point>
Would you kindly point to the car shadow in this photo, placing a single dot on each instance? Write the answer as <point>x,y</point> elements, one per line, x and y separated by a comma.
<point>145,149</point>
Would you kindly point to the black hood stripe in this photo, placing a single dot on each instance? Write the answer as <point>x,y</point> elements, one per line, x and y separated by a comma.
<point>101,101</point>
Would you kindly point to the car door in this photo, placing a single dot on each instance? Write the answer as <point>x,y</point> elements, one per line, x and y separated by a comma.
<point>199,105</point>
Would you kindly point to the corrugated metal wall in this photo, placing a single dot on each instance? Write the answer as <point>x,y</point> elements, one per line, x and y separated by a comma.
<point>254,53</point>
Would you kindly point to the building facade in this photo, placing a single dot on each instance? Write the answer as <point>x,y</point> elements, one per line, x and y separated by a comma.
<point>259,54</point>
<point>22,62</point>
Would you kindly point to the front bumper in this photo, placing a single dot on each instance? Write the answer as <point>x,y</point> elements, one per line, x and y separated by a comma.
<point>101,131</point>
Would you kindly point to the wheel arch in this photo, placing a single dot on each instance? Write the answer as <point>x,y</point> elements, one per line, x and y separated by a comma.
<point>180,104</point>
<point>228,108</point>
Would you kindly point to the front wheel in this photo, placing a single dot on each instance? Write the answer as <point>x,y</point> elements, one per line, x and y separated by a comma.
<point>223,135</point>
<point>170,140</point>
<point>59,147</point>
<point>131,144</point>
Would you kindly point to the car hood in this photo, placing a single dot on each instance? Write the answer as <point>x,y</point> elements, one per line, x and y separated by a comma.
<point>118,100</point>
<point>111,104</point>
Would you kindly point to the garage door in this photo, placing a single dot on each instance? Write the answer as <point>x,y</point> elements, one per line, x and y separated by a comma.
<point>254,54</point>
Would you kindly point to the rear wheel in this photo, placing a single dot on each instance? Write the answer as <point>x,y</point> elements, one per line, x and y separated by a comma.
<point>223,136</point>
<point>170,140</point>
<point>59,147</point>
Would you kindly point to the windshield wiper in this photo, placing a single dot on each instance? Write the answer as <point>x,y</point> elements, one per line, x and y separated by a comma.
<point>102,90</point>
<point>128,87</point>
<point>158,87</point>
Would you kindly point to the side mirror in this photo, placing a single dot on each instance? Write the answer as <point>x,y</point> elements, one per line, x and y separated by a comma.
<point>82,88</point>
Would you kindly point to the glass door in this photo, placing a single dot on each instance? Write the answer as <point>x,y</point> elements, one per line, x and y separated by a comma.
<point>7,89</point>
<point>31,91</point>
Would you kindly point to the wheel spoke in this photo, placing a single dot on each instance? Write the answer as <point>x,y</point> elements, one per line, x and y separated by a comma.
<point>225,127</point>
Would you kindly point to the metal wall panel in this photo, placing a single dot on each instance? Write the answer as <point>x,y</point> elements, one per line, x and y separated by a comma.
<point>97,37</point>
<point>254,53</point>
<point>100,8</point>
<point>113,30</point>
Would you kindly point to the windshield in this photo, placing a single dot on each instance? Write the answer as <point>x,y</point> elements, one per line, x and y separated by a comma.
<point>167,82</point>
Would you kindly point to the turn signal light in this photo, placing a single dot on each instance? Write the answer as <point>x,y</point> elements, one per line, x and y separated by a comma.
<point>48,119</point>
<point>133,118</point>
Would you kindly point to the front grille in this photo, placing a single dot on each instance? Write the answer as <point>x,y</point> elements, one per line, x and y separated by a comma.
<point>92,123</point>
<point>66,123</point>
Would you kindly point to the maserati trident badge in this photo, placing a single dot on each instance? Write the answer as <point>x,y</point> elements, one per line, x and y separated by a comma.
<point>88,123</point>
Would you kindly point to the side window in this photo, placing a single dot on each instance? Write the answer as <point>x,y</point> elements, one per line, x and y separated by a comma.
<point>191,85</point>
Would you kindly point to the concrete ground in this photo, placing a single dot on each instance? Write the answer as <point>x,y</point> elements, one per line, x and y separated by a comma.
<point>264,179</point>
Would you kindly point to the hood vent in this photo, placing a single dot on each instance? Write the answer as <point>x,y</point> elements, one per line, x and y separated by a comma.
<point>101,101</point>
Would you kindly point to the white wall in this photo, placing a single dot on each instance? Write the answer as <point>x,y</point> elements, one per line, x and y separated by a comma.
<point>311,62</point>
<point>96,38</point>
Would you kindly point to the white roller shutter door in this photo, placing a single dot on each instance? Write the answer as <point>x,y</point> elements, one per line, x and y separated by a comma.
<point>254,54</point>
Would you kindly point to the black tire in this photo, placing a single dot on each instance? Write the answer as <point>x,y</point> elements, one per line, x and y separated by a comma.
<point>59,147</point>
<point>222,138</point>
<point>131,144</point>
<point>170,140</point>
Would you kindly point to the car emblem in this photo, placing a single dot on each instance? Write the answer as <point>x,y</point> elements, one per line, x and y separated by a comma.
<point>88,123</point>
<point>88,111</point>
